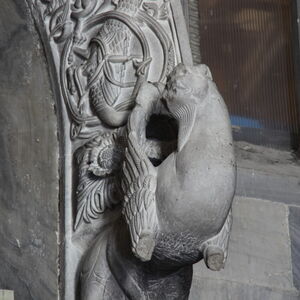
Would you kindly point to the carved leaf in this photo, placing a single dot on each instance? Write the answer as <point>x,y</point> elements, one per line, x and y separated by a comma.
<point>160,13</point>
<point>151,9</point>
<point>60,26</point>
<point>94,196</point>
<point>98,188</point>
<point>51,6</point>
<point>163,13</point>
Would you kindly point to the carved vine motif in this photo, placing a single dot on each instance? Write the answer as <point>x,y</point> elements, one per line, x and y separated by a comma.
<point>101,72</point>
<point>99,164</point>
<point>157,12</point>
<point>104,55</point>
<point>140,129</point>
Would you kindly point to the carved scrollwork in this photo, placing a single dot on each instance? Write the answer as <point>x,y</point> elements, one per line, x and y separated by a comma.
<point>104,54</point>
<point>156,11</point>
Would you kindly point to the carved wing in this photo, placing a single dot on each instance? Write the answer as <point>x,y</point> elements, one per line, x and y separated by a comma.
<point>139,187</point>
<point>98,188</point>
<point>111,91</point>
<point>115,36</point>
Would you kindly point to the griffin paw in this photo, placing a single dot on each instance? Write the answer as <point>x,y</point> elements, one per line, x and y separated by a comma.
<point>214,258</point>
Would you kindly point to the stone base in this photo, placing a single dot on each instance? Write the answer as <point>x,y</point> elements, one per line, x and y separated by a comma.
<point>259,264</point>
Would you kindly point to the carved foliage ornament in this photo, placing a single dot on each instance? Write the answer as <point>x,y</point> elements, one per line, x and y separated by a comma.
<point>147,146</point>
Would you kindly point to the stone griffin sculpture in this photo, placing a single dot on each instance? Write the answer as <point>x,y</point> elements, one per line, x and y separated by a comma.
<point>147,165</point>
<point>177,212</point>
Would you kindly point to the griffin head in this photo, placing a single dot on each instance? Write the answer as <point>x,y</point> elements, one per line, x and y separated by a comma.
<point>187,85</point>
<point>186,90</point>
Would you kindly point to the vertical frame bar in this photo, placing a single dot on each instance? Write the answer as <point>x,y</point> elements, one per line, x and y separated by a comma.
<point>296,54</point>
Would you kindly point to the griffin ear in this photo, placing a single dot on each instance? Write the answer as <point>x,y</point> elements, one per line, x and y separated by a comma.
<point>204,71</point>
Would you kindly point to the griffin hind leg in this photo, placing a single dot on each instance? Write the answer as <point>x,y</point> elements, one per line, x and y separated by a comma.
<point>214,250</point>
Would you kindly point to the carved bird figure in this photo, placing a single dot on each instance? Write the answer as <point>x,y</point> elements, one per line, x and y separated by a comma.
<point>106,67</point>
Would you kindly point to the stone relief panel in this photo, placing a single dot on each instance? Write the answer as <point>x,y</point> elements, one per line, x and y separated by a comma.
<point>147,162</point>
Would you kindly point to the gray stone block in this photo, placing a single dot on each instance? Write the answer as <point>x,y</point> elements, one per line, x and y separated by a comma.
<point>259,264</point>
<point>266,173</point>
<point>211,289</point>
<point>294,219</point>
<point>276,187</point>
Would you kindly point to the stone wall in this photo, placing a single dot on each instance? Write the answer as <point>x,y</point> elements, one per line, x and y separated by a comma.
<point>28,160</point>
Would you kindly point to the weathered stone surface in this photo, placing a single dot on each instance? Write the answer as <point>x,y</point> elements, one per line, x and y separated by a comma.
<point>28,159</point>
<point>259,262</point>
<point>122,63</point>
<point>266,173</point>
<point>270,186</point>
<point>294,221</point>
